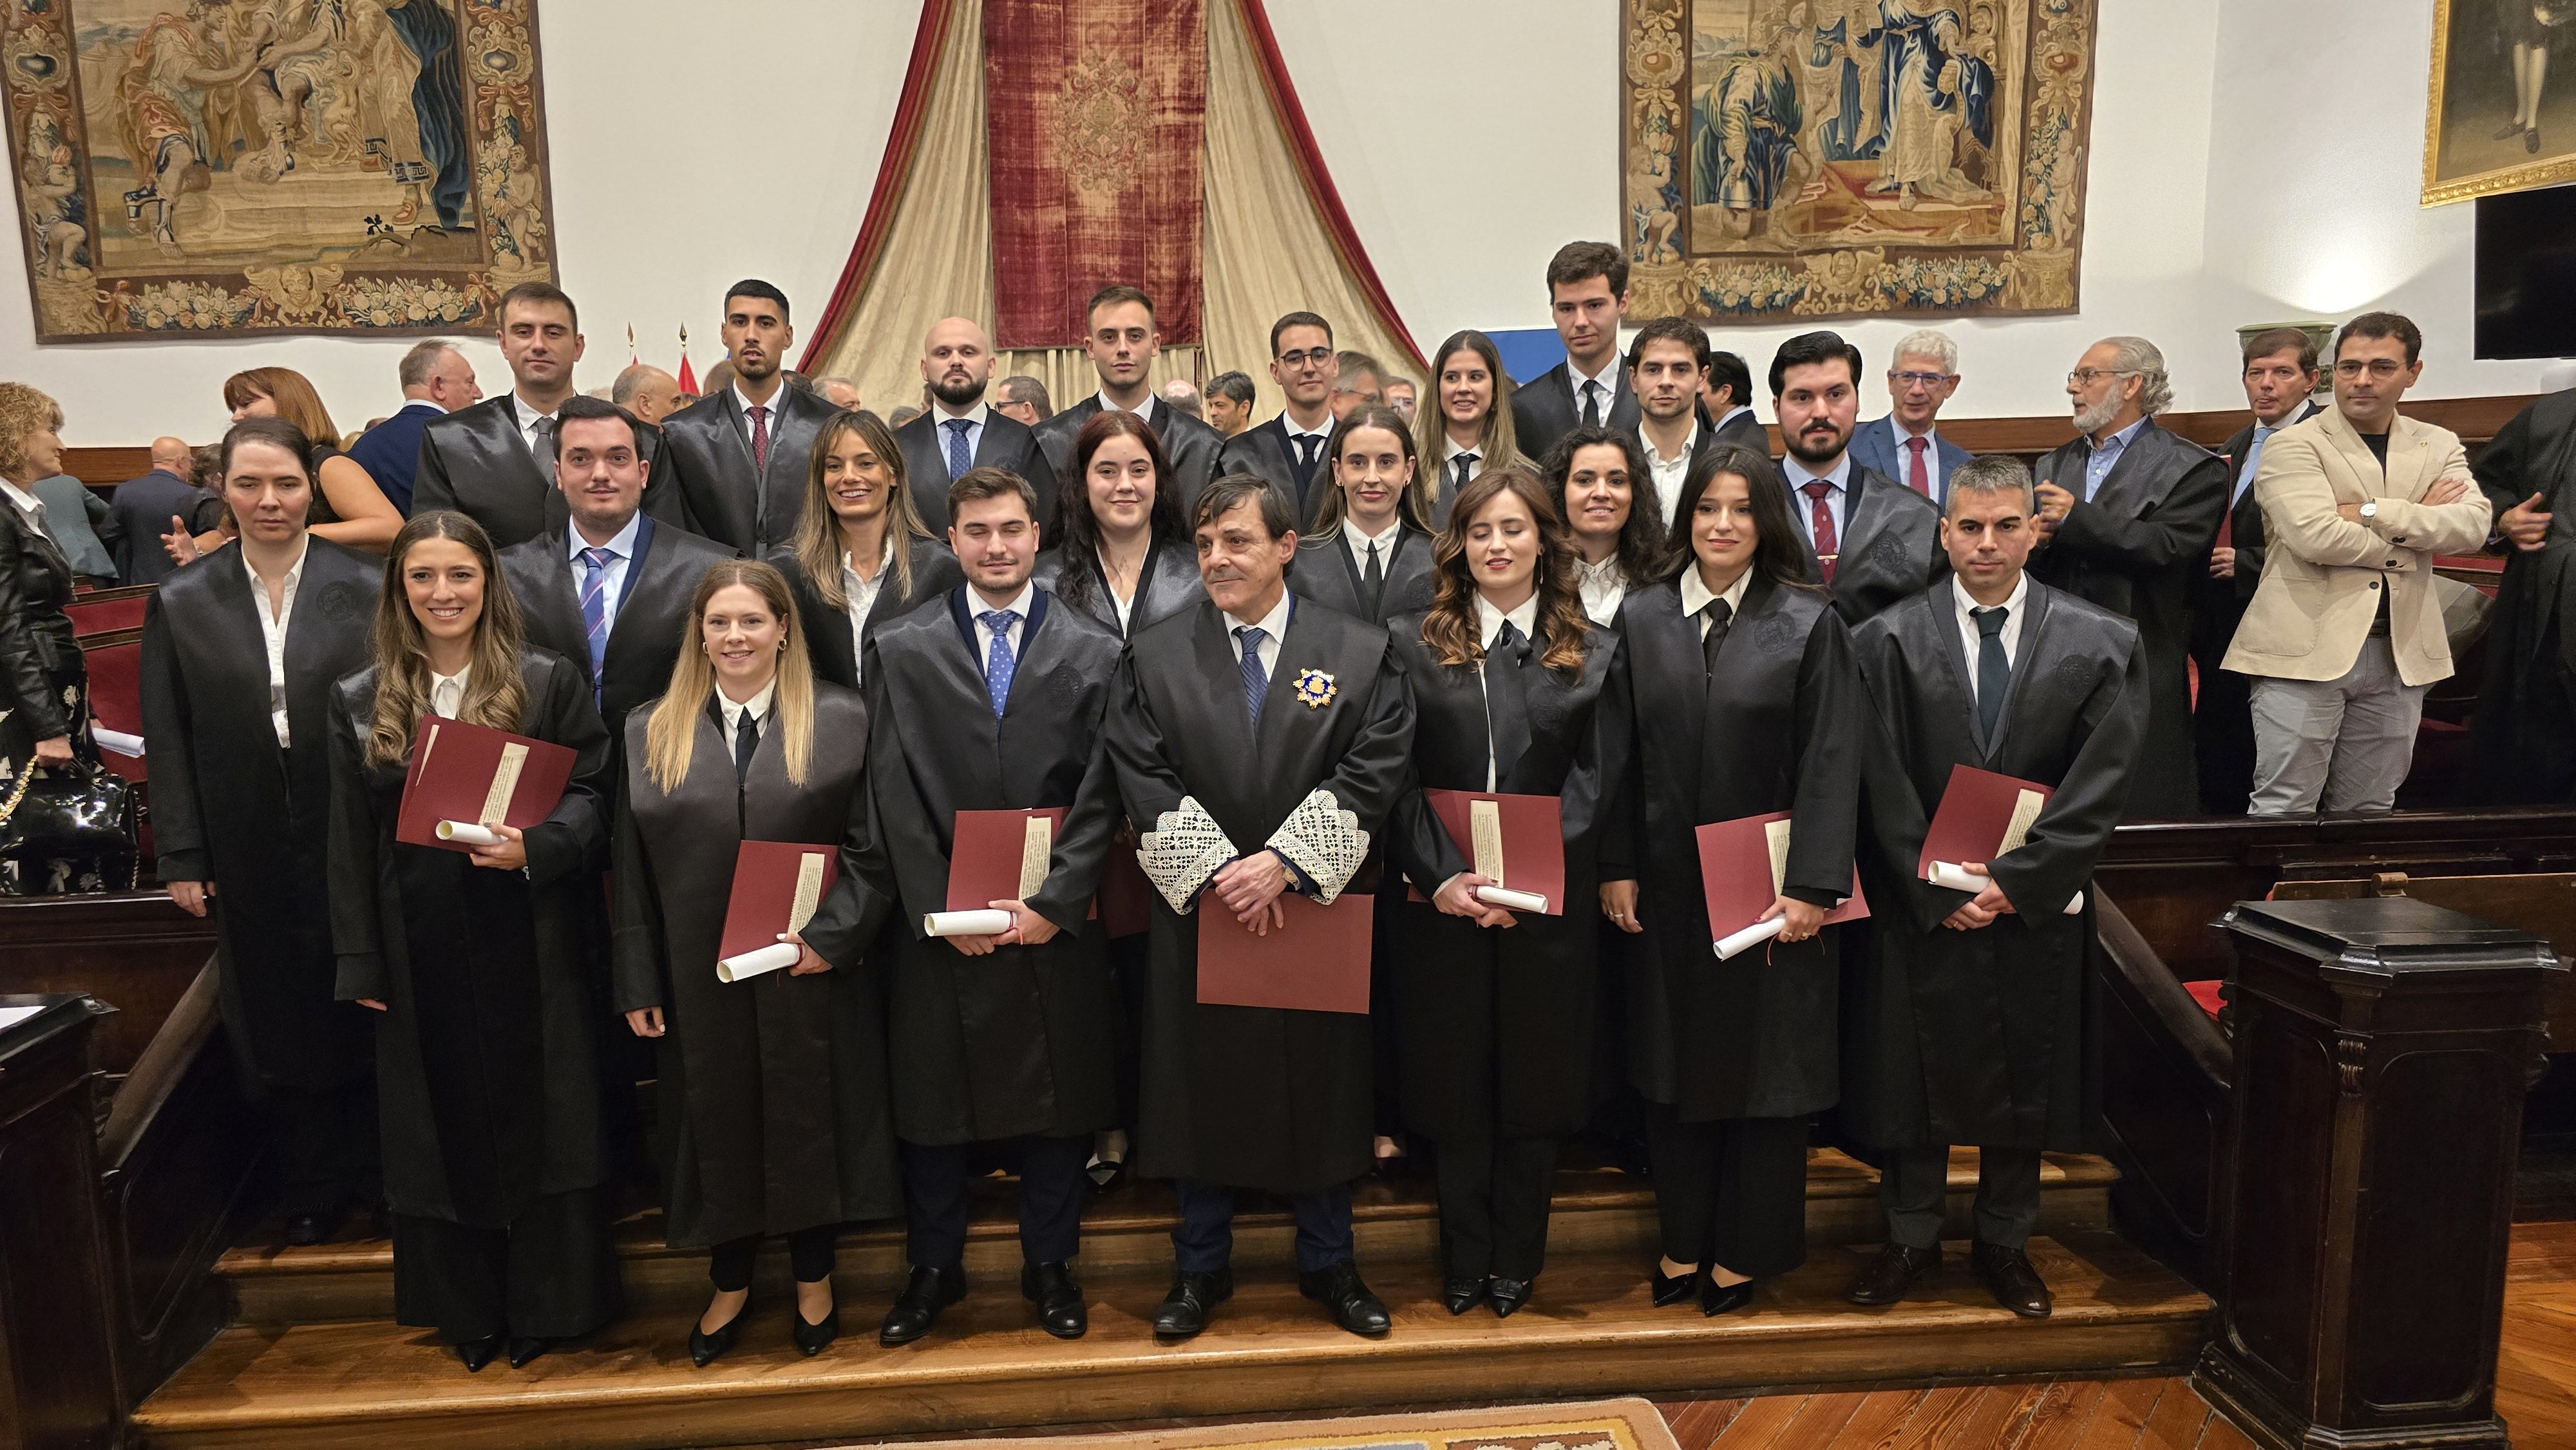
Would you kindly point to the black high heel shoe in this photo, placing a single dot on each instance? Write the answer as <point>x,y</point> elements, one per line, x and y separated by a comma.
<point>527,1347</point>
<point>812,1338</point>
<point>1507,1295</point>
<point>1716,1298</point>
<point>1461,1295</point>
<point>476,1353</point>
<point>1669,1291</point>
<point>705,1349</point>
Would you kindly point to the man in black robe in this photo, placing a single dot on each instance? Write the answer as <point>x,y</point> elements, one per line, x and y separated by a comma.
<point>737,457</point>
<point>2127,512</point>
<point>961,432</point>
<point>1123,344</point>
<point>998,1040</point>
<point>1972,1023</point>
<point>2522,740</point>
<point>1587,296</point>
<point>1290,449</point>
<point>1870,540</point>
<point>1259,744</point>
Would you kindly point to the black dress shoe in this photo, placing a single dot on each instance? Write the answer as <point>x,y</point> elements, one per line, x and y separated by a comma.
<point>1059,1299</point>
<point>476,1353</point>
<point>2008,1275</point>
<point>304,1230</point>
<point>705,1349</point>
<point>1462,1295</point>
<point>1340,1291</point>
<point>917,1308</point>
<point>526,1347</point>
<point>1716,1298</point>
<point>811,1338</point>
<point>1671,1290</point>
<point>1185,1310</point>
<point>1892,1273</point>
<point>1507,1295</point>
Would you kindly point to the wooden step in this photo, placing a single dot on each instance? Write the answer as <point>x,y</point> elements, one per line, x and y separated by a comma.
<point>1589,1330</point>
<point>1127,1232</point>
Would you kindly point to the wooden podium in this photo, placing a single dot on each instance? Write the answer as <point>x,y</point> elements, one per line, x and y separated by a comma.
<point>2382,1051</point>
<point>58,1386</point>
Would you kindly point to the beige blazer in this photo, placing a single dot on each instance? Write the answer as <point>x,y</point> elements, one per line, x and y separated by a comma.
<point>2323,574</point>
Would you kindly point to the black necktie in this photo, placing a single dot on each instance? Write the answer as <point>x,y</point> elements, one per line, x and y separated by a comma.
<point>1994,672</point>
<point>1372,582</point>
<point>746,743</point>
<point>1506,699</point>
<point>1720,615</point>
<point>1591,405</point>
<point>1305,459</point>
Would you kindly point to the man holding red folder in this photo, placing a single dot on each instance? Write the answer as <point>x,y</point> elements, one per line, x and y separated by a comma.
<point>1259,742</point>
<point>1971,1025</point>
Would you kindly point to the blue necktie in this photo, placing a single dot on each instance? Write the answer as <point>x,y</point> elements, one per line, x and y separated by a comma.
<point>2253,459</point>
<point>594,612</point>
<point>1256,680</point>
<point>959,459</point>
<point>999,664</point>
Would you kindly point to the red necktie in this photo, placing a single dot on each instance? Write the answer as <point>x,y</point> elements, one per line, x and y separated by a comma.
<point>759,439</point>
<point>1917,477</point>
<point>1822,523</point>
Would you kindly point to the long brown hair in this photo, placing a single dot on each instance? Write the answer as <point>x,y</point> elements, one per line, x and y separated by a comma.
<point>496,694</point>
<point>1496,446</point>
<point>817,541</point>
<point>1409,510</point>
<point>1777,552</point>
<point>1075,530</point>
<point>671,733</point>
<point>1450,628</point>
<point>293,393</point>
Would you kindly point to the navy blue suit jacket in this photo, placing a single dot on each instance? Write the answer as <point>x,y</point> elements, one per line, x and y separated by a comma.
<point>1873,446</point>
<point>390,451</point>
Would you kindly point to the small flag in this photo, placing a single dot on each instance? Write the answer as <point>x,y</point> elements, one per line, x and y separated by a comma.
<point>688,376</point>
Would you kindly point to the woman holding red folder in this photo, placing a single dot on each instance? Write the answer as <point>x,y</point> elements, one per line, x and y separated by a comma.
<point>487,1054</point>
<point>1516,692</point>
<point>772,1089</point>
<point>1746,701</point>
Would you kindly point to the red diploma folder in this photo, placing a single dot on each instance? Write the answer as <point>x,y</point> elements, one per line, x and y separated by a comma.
<point>996,856</point>
<point>776,887</point>
<point>1741,865</point>
<point>475,775</point>
<point>1126,897</point>
<point>1319,962</point>
<point>1982,815</point>
<point>1523,840</point>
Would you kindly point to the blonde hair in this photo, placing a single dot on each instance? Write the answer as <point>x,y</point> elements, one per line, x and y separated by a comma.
<point>671,734</point>
<point>496,693</point>
<point>23,412</point>
<point>817,541</point>
<point>1496,446</point>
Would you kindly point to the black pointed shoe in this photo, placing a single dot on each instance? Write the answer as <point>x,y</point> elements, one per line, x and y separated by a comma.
<point>1339,1289</point>
<point>1507,1295</point>
<point>927,1292</point>
<point>1461,1295</point>
<point>2010,1277</point>
<point>1059,1299</point>
<point>524,1348</point>
<point>1185,1310</point>
<point>705,1348</point>
<point>1893,1273</point>
<point>1716,1298</point>
<point>1671,1290</point>
<point>476,1353</point>
<point>811,1339</point>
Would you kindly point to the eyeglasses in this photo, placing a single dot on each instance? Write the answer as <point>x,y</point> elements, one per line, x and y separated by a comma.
<point>2085,377</point>
<point>1313,356</point>
<point>2379,367</point>
<point>1927,380</point>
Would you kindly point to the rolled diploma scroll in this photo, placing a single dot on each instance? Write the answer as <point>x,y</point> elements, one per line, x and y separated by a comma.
<point>1751,937</point>
<point>1946,873</point>
<point>467,833</point>
<point>989,922</point>
<point>759,960</point>
<point>1510,900</point>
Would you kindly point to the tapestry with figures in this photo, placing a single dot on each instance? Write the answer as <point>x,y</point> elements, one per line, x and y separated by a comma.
<point>1850,158</point>
<point>229,168</point>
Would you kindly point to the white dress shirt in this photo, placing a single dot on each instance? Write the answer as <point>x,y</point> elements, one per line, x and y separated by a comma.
<point>1695,597</point>
<point>1669,473</point>
<point>1968,632</point>
<point>758,705</point>
<point>533,435</point>
<point>1489,625</point>
<point>1905,456</point>
<point>1607,380</point>
<point>1359,539</point>
<point>862,594</point>
<point>1322,433</point>
<point>1128,602</point>
<point>1837,498</point>
<point>974,419</point>
<point>28,504</point>
<point>447,692</point>
<point>1602,585</point>
<point>976,609</point>
<point>273,631</point>
<point>1271,625</point>
<point>1451,450</point>
<point>621,555</point>
<point>768,420</point>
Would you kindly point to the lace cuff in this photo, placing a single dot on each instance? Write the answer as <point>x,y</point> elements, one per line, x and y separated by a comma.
<point>1322,840</point>
<point>1185,848</point>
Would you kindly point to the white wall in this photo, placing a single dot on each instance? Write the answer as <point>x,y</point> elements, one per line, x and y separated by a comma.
<point>2250,163</point>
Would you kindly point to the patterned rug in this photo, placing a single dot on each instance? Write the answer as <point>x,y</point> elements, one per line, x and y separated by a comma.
<point>1622,1424</point>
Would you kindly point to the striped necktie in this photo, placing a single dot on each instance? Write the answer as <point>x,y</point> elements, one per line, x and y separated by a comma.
<point>594,613</point>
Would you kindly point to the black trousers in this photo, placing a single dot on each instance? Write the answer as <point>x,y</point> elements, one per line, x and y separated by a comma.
<point>552,1274</point>
<point>327,1146</point>
<point>1731,1192</point>
<point>810,1252</point>
<point>1493,1204</point>
<point>1913,1187</point>
<point>1052,1185</point>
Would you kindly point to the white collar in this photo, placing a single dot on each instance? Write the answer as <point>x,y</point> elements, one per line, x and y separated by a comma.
<point>758,705</point>
<point>1965,601</point>
<point>1273,626</point>
<point>1361,538</point>
<point>460,680</point>
<point>411,403</point>
<point>1931,436</point>
<point>1146,412</point>
<point>294,571</point>
<point>776,405</point>
<point>1450,447</point>
<point>1523,617</point>
<point>885,558</point>
<point>973,417</point>
<point>1800,474</point>
<point>1019,604</point>
<point>1608,378</point>
<point>27,502</point>
<point>1288,422</point>
<point>1695,595</point>
<point>1690,445</point>
<point>621,544</point>
<point>526,412</point>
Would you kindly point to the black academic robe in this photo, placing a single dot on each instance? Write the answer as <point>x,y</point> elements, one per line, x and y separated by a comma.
<point>1017,1042</point>
<point>1007,444</point>
<point>1495,1025</point>
<point>1167,584</point>
<point>1544,409</point>
<point>652,622</point>
<point>232,809</point>
<point>487,1057</point>
<point>935,571</point>
<point>1987,1037</point>
<point>1246,1096</point>
<point>1889,549</point>
<point>772,1091</point>
<point>1264,450</point>
<point>2134,550</point>
<point>706,452</point>
<point>1189,445</point>
<point>2222,707</point>
<point>2522,740</point>
<point>476,462</point>
<point>1326,573</point>
<point>1779,727</point>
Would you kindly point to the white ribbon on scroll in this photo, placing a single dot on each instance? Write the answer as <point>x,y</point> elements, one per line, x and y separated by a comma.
<point>991,921</point>
<point>1749,938</point>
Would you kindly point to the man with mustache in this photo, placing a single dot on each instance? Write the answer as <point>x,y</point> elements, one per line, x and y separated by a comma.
<point>1870,540</point>
<point>961,432</point>
<point>2126,515</point>
<point>738,455</point>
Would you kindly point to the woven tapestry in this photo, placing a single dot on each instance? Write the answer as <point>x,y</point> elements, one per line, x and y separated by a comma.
<point>1854,158</point>
<point>231,168</point>
<point>1096,114</point>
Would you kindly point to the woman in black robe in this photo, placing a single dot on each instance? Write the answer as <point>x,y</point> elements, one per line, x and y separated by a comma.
<point>861,554</point>
<point>240,651</point>
<point>481,966</point>
<point>1372,500</point>
<point>772,1089</point>
<point>1746,702</point>
<point>1515,691</point>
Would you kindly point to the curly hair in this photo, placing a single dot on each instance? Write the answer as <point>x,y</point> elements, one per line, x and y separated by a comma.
<point>1450,627</point>
<point>24,412</point>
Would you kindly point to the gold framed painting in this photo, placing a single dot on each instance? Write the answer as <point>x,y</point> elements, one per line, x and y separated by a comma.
<point>235,168</point>
<point>2495,119</point>
<point>1854,158</point>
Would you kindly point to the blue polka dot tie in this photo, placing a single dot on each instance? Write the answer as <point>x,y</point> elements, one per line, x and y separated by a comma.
<point>998,664</point>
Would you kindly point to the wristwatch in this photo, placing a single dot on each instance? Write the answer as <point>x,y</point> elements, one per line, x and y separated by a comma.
<point>2369,509</point>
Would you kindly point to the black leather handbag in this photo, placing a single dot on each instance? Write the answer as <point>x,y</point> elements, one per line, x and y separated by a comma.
<point>67,831</point>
